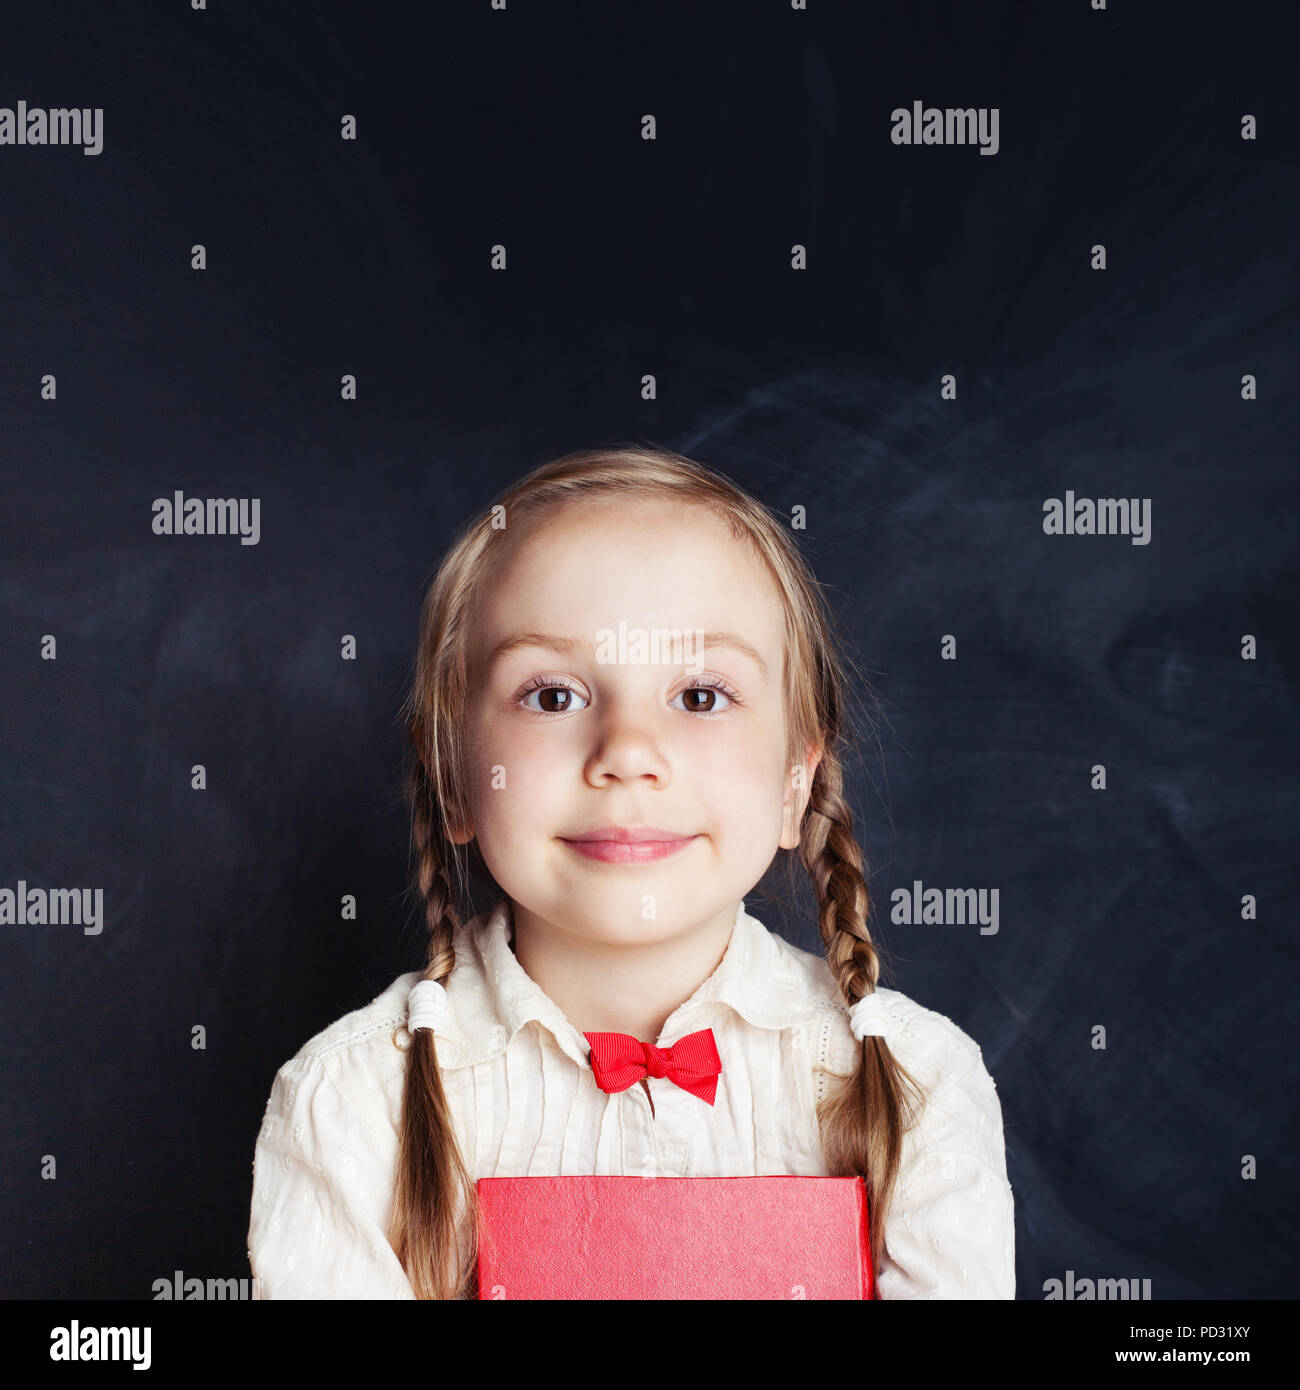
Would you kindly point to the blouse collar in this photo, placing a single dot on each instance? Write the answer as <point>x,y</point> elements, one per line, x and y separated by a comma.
<point>757,977</point>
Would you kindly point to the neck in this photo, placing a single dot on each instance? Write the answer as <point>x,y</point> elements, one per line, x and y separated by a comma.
<point>619,987</point>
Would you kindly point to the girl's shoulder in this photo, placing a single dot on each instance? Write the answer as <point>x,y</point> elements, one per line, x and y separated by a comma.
<point>337,1101</point>
<point>374,1022</point>
<point>938,1053</point>
<point>928,1039</point>
<point>927,1042</point>
<point>371,1042</point>
<point>961,1110</point>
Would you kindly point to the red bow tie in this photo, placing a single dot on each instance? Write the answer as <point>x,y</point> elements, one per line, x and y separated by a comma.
<point>620,1060</point>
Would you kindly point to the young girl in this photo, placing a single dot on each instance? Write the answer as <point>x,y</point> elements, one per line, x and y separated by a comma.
<point>626,700</point>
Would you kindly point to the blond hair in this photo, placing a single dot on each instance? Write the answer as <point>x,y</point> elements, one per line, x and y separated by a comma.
<point>435,1216</point>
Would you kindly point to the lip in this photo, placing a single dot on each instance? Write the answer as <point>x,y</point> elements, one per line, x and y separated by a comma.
<point>619,835</point>
<point>613,844</point>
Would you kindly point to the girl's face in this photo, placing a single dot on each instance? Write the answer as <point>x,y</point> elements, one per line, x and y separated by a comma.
<point>571,731</point>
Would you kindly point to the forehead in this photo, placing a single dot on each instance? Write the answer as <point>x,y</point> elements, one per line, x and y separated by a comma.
<point>648,562</point>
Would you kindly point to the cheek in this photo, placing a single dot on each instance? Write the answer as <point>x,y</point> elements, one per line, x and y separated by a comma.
<point>742,781</point>
<point>511,775</point>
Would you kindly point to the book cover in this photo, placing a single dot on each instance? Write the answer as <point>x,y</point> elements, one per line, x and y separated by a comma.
<point>674,1238</point>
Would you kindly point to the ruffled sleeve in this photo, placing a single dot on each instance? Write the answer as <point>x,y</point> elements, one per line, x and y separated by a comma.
<point>322,1186</point>
<point>951,1227</point>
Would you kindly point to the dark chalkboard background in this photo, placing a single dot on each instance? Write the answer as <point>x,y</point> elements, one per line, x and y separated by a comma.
<point>1120,907</point>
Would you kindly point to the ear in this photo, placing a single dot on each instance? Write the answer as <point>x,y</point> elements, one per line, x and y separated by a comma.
<point>459,827</point>
<point>459,834</point>
<point>798,788</point>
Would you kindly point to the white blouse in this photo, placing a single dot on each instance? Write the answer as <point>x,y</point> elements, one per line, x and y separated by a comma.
<point>526,1104</point>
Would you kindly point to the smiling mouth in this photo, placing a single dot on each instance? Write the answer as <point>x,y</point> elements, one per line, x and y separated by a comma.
<point>630,848</point>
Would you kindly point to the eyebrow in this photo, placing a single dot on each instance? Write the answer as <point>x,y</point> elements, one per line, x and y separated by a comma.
<point>569,645</point>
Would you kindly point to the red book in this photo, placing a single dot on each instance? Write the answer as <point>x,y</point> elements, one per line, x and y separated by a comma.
<point>674,1238</point>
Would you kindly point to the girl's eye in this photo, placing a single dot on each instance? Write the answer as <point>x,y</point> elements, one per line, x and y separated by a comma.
<point>703,697</point>
<point>558,698</point>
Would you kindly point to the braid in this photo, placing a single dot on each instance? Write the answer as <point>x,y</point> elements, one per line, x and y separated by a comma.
<point>426,1225</point>
<point>833,858</point>
<point>431,876</point>
<point>864,1123</point>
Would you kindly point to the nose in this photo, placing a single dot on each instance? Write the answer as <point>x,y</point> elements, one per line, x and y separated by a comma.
<point>626,750</point>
